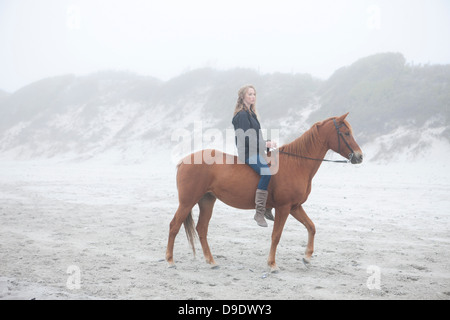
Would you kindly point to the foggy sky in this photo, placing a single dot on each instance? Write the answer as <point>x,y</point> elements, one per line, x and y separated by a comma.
<point>42,38</point>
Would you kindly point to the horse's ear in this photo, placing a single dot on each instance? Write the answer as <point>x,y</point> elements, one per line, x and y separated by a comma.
<point>342,118</point>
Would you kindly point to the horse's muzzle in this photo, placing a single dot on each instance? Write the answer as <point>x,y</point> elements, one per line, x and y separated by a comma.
<point>356,157</point>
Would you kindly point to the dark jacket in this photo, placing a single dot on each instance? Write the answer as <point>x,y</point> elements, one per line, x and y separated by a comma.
<point>249,139</point>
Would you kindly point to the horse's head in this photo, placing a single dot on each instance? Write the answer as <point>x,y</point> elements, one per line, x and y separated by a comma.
<point>340,139</point>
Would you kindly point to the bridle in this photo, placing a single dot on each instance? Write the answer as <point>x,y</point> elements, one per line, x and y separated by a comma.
<point>340,135</point>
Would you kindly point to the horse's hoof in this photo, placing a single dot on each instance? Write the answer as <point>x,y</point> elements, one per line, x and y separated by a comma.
<point>274,269</point>
<point>215,267</point>
<point>171,266</point>
<point>307,262</point>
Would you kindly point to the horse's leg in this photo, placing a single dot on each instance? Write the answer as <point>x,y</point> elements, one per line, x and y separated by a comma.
<point>300,214</point>
<point>180,215</point>
<point>206,205</point>
<point>281,214</point>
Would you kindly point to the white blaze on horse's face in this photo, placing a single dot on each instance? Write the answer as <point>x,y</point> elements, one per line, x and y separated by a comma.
<point>355,156</point>
<point>343,142</point>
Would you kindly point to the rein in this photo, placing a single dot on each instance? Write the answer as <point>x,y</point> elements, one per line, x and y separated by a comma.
<point>340,135</point>
<point>315,159</point>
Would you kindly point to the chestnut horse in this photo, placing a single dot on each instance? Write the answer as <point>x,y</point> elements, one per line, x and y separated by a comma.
<point>235,185</point>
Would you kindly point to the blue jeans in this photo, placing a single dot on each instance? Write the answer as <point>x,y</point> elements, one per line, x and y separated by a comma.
<point>261,167</point>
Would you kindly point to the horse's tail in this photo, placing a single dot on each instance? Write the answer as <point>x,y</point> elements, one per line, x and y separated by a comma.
<point>191,233</point>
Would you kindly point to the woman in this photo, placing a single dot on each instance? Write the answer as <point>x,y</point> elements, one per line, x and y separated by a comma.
<point>251,147</point>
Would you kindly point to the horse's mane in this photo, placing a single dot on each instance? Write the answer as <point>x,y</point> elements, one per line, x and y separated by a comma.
<point>303,144</point>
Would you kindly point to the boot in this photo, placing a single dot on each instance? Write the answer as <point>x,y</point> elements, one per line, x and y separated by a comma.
<point>268,214</point>
<point>260,205</point>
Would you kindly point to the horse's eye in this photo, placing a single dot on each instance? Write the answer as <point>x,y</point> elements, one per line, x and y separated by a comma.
<point>347,134</point>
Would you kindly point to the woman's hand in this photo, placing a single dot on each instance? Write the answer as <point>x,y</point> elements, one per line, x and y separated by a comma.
<point>271,144</point>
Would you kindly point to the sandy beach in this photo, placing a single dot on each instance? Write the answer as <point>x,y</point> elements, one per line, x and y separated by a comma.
<point>92,230</point>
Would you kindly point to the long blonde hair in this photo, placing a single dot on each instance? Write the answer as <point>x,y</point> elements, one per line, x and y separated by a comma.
<point>240,105</point>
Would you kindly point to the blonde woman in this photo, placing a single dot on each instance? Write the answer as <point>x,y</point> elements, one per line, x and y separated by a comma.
<point>251,147</point>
